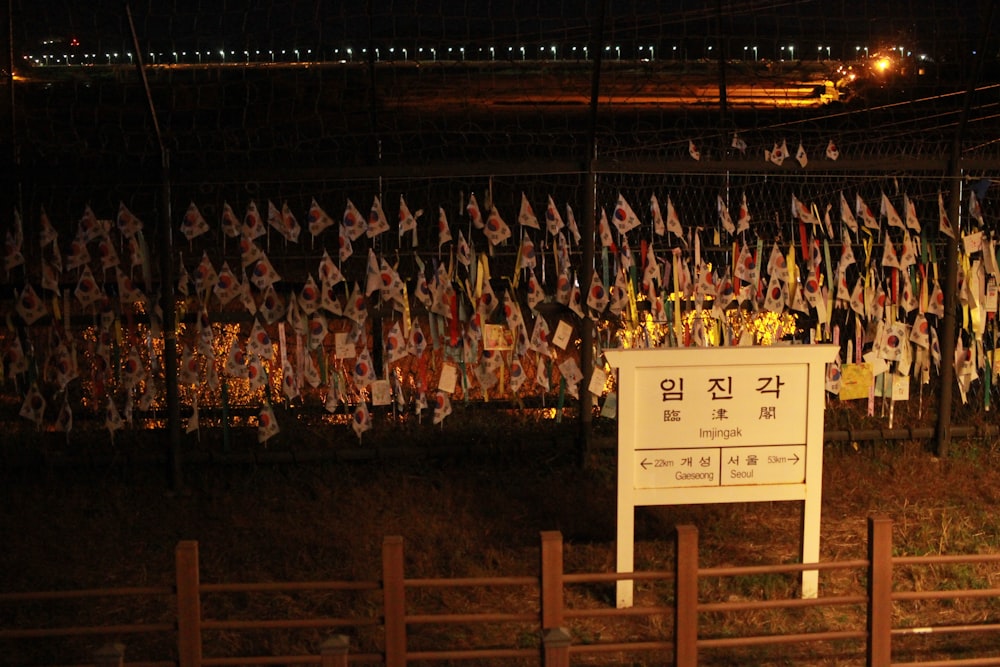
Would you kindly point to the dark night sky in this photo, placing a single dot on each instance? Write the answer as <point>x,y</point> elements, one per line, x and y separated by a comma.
<point>176,24</point>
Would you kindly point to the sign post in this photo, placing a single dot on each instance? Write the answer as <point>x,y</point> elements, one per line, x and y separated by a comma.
<point>720,425</point>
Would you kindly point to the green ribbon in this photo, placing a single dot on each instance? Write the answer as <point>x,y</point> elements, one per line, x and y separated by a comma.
<point>561,401</point>
<point>829,269</point>
<point>668,306</point>
<point>604,261</point>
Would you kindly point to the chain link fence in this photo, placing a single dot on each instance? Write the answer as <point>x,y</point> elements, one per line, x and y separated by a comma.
<point>299,105</point>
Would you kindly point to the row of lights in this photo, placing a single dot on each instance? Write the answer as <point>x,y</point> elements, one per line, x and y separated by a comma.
<point>645,53</point>
<point>167,57</point>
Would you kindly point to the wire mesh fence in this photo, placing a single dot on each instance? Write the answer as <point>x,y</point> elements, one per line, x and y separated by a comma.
<point>304,111</point>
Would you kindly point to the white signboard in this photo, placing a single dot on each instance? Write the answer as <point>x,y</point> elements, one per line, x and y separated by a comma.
<point>724,405</point>
<point>711,425</point>
<point>719,466</point>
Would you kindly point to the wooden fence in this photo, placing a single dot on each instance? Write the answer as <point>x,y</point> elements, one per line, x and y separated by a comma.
<point>394,625</point>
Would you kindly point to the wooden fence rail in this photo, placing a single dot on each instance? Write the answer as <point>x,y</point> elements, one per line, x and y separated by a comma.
<point>681,612</point>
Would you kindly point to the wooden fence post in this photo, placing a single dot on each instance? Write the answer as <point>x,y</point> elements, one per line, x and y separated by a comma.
<point>686,597</point>
<point>188,604</point>
<point>555,647</point>
<point>333,652</point>
<point>110,655</point>
<point>555,638</point>
<point>879,652</point>
<point>552,579</point>
<point>394,601</point>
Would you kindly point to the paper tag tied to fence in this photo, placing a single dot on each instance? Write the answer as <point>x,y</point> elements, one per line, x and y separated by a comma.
<point>598,379</point>
<point>610,408</point>
<point>856,380</point>
<point>448,379</point>
<point>900,387</point>
<point>344,346</point>
<point>497,337</point>
<point>972,242</point>
<point>564,331</point>
<point>381,392</point>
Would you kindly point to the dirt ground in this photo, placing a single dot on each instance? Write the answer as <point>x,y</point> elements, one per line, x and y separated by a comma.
<point>477,514</point>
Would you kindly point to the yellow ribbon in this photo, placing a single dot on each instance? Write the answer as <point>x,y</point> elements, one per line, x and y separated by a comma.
<point>407,322</point>
<point>793,270</point>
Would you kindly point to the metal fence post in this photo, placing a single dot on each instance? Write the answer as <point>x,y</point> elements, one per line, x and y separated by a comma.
<point>333,652</point>
<point>394,601</point>
<point>879,652</point>
<point>686,597</point>
<point>188,604</point>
